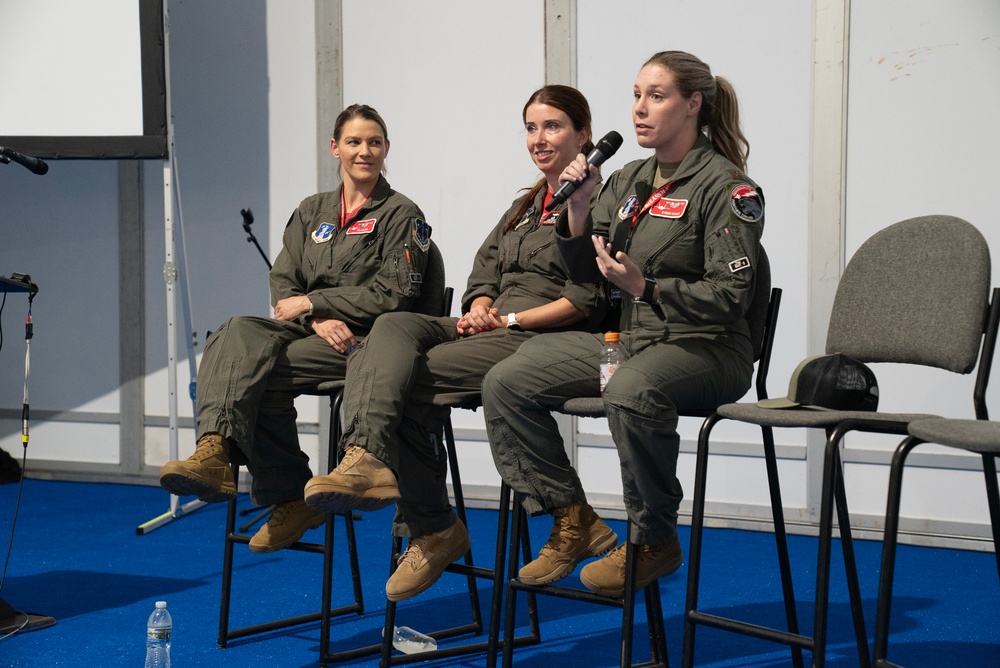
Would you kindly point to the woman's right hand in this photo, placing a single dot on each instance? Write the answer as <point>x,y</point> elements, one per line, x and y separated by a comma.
<point>336,333</point>
<point>587,177</point>
<point>479,319</point>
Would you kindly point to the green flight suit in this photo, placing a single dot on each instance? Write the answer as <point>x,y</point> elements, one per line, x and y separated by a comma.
<point>253,368</point>
<point>699,242</point>
<point>412,368</point>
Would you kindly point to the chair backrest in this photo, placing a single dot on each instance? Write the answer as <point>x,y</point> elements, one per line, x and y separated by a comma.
<point>916,292</point>
<point>433,293</point>
<point>760,302</point>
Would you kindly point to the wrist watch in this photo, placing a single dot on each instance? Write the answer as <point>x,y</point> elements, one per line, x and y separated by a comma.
<point>648,289</point>
<point>512,322</point>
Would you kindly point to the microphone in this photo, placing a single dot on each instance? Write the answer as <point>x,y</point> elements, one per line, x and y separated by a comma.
<point>605,148</point>
<point>34,164</point>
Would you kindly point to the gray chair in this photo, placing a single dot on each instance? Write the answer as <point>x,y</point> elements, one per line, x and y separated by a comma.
<point>916,292</point>
<point>762,318</point>
<point>434,299</point>
<point>979,436</point>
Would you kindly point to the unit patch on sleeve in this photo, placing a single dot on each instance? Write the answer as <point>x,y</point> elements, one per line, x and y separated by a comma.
<point>746,203</point>
<point>421,234</point>
<point>323,233</point>
<point>362,226</point>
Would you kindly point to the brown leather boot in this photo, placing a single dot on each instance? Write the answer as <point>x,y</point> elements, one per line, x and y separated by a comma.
<point>287,523</point>
<point>577,534</point>
<point>360,482</point>
<point>607,576</point>
<point>425,559</point>
<point>206,474</point>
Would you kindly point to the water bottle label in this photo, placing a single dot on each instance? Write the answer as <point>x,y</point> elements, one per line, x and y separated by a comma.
<point>157,634</point>
<point>606,371</point>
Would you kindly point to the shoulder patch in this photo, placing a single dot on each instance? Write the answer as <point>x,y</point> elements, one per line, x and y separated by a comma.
<point>746,203</point>
<point>421,234</point>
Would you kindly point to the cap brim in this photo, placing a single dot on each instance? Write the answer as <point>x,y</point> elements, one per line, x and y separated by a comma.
<point>780,402</point>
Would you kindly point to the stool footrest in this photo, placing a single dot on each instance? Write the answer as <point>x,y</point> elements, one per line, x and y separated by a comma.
<point>752,630</point>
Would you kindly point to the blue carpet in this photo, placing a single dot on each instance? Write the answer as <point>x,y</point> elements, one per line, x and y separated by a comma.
<point>76,557</point>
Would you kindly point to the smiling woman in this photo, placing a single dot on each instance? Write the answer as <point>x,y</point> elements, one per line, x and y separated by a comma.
<point>348,256</point>
<point>673,236</point>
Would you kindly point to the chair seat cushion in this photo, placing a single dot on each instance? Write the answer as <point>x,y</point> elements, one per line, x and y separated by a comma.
<point>982,436</point>
<point>809,417</point>
<point>326,388</point>
<point>584,407</point>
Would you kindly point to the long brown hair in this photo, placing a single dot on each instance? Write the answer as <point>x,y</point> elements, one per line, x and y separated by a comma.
<point>719,117</point>
<point>571,102</point>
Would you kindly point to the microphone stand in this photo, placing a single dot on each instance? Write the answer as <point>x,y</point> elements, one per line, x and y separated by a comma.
<point>11,620</point>
<point>247,222</point>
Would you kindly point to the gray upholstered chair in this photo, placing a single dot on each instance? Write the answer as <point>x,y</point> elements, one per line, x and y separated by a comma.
<point>979,436</point>
<point>916,292</point>
<point>762,318</point>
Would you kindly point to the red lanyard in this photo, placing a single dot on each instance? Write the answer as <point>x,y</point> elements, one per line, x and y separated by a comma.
<point>546,215</point>
<point>344,215</point>
<point>653,199</point>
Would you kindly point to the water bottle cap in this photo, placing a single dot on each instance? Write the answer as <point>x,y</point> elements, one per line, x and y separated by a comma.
<point>611,337</point>
<point>161,604</point>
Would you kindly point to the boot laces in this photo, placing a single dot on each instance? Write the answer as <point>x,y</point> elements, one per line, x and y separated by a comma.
<point>414,553</point>
<point>562,533</point>
<point>352,456</point>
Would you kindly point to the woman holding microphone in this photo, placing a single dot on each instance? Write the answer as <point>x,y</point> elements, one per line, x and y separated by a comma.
<point>676,237</point>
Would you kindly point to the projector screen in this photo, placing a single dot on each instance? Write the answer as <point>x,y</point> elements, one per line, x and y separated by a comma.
<point>83,78</point>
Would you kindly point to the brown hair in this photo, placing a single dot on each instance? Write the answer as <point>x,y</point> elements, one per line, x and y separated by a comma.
<point>719,117</point>
<point>571,102</point>
<point>358,111</point>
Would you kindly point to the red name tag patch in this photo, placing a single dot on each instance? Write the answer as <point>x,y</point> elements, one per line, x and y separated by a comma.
<point>668,208</point>
<point>362,226</point>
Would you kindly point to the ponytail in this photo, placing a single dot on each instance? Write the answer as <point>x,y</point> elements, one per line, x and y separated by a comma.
<point>719,117</point>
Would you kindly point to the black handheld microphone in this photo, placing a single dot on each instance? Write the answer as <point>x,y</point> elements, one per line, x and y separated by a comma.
<point>605,148</point>
<point>34,164</point>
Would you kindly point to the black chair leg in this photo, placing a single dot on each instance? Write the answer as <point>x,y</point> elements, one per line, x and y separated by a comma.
<point>993,499</point>
<point>889,543</point>
<point>834,494</point>
<point>781,541</point>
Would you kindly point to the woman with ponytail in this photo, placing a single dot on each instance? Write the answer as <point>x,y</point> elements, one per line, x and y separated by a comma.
<point>403,378</point>
<point>675,236</point>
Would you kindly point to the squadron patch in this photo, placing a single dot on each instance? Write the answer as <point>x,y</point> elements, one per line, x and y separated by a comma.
<point>627,209</point>
<point>362,226</point>
<point>746,203</point>
<point>668,208</point>
<point>421,234</point>
<point>323,233</point>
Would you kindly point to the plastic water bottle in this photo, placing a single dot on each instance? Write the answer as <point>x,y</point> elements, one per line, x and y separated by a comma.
<point>611,357</point>
<point>408,641</point>
<point>158,630</point>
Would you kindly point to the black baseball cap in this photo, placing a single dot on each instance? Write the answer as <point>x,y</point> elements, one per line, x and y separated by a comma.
<point>835,381</point>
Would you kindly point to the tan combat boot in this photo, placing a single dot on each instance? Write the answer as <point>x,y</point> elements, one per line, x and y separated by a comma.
<point>425,559</point>
<point>206,473</point>
<point>607,576</point>
<point>577,534</point>
<point>360,482</point>
<point>287,523</point>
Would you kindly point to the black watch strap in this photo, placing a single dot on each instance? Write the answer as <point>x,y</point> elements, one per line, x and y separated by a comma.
<point>648,290</point>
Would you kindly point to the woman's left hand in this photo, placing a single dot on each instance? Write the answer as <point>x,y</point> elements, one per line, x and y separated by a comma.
<point>291,308</point>
<point>620,269</point>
